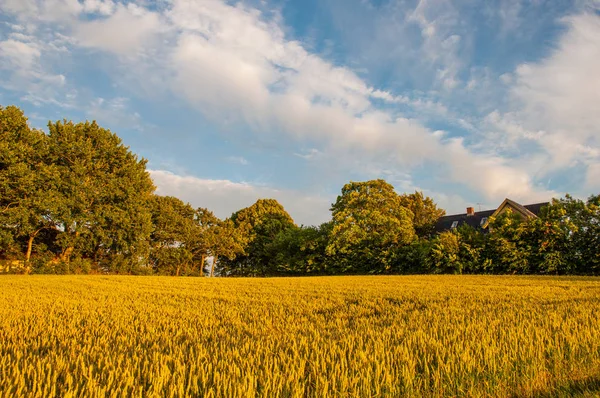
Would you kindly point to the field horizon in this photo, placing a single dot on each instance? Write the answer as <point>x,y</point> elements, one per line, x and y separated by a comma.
<point>418,335</point>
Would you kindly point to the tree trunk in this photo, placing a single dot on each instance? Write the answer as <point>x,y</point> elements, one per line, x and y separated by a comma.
<point>202,265</point>
<point>29,248</point>
<point>30,245</point>
<point>212,269</point>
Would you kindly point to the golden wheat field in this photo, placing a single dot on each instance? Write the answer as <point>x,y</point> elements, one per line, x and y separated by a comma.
<point>471,336</point>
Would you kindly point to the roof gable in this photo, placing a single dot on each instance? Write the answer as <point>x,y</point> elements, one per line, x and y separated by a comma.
<point>511,204</point>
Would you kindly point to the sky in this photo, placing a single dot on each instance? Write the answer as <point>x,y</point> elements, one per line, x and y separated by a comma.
<point>232,101</point>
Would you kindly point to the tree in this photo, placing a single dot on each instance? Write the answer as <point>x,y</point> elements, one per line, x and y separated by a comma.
<point>445,253</point>
<point>567,236</point>
<point>505,251</point>
<point>258,225</point>
<point>27,182</point>
<point>226,241</point>
<point>369,222</point>
<point>104,193</point>
<point>205,237</point>
<point>425,212</point>
<point>248,218</point>
<point>173,236</point>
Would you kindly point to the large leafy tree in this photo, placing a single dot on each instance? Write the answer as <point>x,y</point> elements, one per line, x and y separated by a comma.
<point>425,212</point>
<point>173,236</point>
<point>369,223</point>
<point>247,219</point>
<point>28,194</point>
<point>566,238</point>
<point>258,226</point>
<point>104,193</point>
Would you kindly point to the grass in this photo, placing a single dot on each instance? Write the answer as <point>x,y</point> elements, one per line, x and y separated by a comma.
<point>465,336</point>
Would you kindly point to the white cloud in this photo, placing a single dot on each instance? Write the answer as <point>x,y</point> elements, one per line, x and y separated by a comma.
<point>19,55</point>
<point>46,10</point>
<point>593,178</point>
<point>242,58</point>
<point>103,7</point>
<point>125,31</point>
<point>561,93</point>
<point>555,105</point>
<point>491,175</point>
<point>509,12</point>
<point>224,197</point>
<point>439,20</point>
<point>21,64</point>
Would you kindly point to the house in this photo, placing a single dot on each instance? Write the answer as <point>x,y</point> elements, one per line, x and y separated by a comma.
<point>479,220</point>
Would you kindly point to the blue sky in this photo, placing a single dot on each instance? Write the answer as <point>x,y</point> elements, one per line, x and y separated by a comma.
<point>231,101</point>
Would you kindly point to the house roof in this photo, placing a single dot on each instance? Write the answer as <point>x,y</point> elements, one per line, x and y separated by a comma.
<point>479,219</point>
<point>445,223</point>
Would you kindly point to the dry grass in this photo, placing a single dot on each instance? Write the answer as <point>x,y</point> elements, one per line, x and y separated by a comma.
<point>427,336</point>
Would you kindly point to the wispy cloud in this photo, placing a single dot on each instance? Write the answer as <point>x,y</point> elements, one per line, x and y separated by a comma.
<point>557,98</point>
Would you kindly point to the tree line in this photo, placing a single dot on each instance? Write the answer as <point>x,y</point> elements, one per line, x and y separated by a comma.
<point>75,199</point>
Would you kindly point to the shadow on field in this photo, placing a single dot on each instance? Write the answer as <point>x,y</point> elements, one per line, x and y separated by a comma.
<point>586,387</point>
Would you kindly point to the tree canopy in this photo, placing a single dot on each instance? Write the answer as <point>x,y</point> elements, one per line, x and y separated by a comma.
<point>104,193</point>
<point>369,222</point>
<point>28,195</point>
<point>258,226</point>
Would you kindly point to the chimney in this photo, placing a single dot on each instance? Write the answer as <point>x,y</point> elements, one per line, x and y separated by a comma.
<point>470,211</point>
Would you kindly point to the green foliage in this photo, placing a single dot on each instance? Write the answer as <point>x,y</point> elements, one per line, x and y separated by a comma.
<point>302,251</point>
<point>172,238</point>
<point>566,237</point>
<point>369,223</point>
<point>505,251</point>
<point>226,241</point>
<point>27,184</point>
<point>412,258</point>
<point>254,228</point>
<point>425,212</point>
<point>249,218</point>
<point>445,253</point>
<point>471,247</point>
<point>103,192</point>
